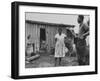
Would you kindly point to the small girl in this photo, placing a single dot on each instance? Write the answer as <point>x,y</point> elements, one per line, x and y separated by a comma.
<point>59,46</point>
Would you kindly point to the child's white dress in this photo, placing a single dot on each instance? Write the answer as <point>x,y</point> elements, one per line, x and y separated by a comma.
<point>60,45</point>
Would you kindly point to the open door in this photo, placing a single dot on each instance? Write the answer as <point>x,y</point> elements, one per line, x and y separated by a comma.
<point>42,38</point>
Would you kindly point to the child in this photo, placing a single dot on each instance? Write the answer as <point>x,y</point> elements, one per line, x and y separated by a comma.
<point>59,46</point>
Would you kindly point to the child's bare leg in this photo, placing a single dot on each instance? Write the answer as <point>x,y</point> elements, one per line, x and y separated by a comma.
<point>59,61</point>
<point>55,61</point>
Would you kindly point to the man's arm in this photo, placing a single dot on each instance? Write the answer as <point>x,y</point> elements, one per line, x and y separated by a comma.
<point>86,34</point>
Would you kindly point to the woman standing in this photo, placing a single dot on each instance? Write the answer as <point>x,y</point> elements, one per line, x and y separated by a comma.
<point>59,46</point>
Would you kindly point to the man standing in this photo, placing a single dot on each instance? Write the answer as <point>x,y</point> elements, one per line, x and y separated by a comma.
<point>81,42</point>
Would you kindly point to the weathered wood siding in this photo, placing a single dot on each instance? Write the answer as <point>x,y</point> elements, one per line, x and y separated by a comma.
<point>34,31</point>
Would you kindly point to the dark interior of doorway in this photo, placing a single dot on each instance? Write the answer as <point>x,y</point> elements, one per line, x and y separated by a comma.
<point>42,39</point>
<point>42,34</point>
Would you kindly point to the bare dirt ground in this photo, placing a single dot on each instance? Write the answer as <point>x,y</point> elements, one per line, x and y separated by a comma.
<point>47,60</point>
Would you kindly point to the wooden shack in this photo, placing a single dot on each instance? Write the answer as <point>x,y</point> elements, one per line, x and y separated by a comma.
<point>43,31</point>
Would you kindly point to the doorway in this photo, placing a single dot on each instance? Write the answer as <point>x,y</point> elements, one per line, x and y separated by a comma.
<point>42,34</point>
<point>42,38</point>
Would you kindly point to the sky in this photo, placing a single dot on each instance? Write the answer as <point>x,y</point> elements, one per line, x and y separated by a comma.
<point>70,19</point>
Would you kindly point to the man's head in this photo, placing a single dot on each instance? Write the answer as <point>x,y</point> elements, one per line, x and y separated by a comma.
<point>80,19</point>
<point>59,30</point>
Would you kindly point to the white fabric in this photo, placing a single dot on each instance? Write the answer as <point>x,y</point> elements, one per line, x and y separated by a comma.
<point>60,46</point>
<point>29,48</point>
